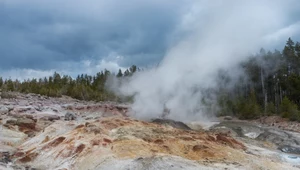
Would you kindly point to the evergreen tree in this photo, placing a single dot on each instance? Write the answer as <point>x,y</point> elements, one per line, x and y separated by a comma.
<point>297,49</point>
<point>1,82</point>
<point>133,69</point>
<point>120,74</point>
<point>126,73</point>
<point>290,56</point>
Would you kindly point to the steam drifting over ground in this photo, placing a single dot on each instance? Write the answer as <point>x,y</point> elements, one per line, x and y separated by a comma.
<point>219,34</point>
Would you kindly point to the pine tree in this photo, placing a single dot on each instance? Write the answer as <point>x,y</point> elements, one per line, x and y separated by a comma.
<point>132,69</point>
<point>126,73</point>
<point>297,49</point>
<point>1,82</point>
<point>290,56</point>
<point>120,74</point>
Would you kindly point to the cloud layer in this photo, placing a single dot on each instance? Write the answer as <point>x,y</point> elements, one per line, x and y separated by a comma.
<point>47,35</point>
<point>41,34</point>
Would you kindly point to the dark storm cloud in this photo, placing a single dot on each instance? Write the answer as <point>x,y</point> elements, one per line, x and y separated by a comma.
<point>39,34</point>
<point>44,35</point>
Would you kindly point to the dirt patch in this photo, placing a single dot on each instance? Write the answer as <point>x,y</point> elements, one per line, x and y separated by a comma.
<point>229,141</point>
<point>46,139</point>
<point>79,149</point>
<point>19,154</point>
<point>159,141</point>
<point>55,142</point>
<point>28,158</point>
<point>199,147</point>
<point>107,140</point>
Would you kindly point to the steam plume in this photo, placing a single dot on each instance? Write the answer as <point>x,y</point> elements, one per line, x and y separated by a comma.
<point>218,34</point>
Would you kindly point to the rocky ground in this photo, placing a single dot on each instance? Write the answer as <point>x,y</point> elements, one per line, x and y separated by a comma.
<point>37,132</point>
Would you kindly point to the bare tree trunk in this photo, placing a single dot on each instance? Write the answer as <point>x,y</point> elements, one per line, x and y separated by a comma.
<point>264,91</point>
<point>266,102</point>
<point>280,93</point>
<point>276,97</point>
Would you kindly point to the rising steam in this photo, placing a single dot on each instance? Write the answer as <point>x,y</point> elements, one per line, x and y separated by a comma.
<point>218,34</point>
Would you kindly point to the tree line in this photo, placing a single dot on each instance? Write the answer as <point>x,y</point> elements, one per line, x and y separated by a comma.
<point>83,87</point>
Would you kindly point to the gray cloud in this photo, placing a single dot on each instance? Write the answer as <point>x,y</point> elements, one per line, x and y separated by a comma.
<point>41,35</point>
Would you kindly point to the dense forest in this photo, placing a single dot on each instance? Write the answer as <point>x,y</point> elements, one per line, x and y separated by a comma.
<point>269,84</point>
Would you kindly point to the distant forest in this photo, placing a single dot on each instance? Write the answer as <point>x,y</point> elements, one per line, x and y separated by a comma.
<point>269,85</point>
<point>84,87</point>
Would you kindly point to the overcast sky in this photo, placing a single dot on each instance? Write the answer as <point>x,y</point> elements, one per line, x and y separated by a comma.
<point>38,37</point>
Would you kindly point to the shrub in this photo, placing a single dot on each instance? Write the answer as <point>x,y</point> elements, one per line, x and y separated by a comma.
<point>288,109</point>
<point>248,108</point>
<point>271,110</point>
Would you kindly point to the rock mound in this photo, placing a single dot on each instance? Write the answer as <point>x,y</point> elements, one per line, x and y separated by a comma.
<point>173,123</point>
